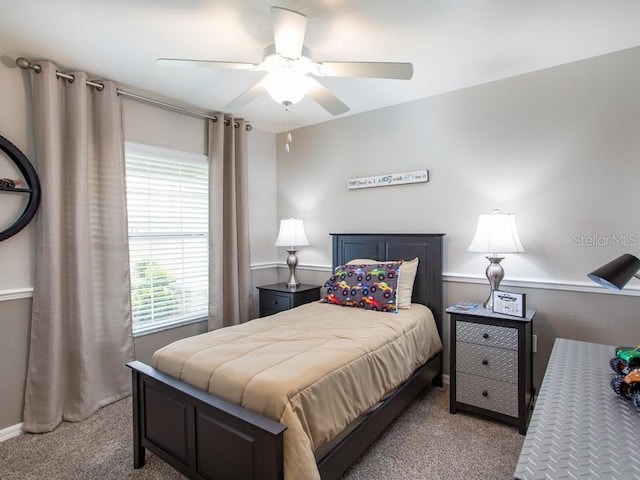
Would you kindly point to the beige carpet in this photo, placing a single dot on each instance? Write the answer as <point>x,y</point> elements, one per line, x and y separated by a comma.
<point>426,442</point>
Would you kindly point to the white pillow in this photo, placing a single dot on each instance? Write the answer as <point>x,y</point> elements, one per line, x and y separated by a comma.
<point>406,278</point>
<point>408,271</point>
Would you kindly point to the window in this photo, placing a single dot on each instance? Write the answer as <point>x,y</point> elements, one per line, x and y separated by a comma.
<point>167,204</point>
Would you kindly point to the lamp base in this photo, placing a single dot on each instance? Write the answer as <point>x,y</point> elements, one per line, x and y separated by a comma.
<point>292,262</point>
<point>495,274</point>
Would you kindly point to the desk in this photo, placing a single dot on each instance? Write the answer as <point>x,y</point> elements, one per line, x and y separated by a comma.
<point>580,428</point>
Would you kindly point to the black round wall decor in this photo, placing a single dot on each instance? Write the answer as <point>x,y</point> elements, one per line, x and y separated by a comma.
<point>9,185</point>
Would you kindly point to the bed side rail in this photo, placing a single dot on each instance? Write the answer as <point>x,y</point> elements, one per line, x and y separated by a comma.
<point>334,463</point>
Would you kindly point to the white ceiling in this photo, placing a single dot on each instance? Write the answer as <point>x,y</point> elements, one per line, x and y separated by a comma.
<point>452,44</point>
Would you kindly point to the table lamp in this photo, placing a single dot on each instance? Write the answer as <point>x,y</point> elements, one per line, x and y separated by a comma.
<point>496,234</point>
<point>617,273</point>
<point>292,235</point>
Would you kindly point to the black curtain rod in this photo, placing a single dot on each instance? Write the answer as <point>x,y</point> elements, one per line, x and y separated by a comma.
<point>28,65</point>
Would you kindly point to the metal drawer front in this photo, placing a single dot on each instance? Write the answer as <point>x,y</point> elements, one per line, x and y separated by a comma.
<point>492,362</point>
<point>500,396</point>
<point>491,335</point>
<point>275,302</point>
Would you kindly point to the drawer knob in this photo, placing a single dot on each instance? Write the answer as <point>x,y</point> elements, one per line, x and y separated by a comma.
<point>485,362</point>
<point>275,302</point>
<point>485,393</point>
<point>485,335</point>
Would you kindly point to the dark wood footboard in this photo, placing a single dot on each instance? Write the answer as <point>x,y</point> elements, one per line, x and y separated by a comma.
<point>205,437</point>
<point>201,435</point>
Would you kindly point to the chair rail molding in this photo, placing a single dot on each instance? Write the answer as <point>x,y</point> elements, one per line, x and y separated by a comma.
<point>543,284</point>
<point>16,294</point>
<point>539,284</point>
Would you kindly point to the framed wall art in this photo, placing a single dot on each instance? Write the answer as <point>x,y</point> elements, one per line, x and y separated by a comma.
<point>509,303</point>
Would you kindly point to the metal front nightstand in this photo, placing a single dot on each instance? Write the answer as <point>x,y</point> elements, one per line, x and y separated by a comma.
<point>278,297</point>
<point>491,364</point>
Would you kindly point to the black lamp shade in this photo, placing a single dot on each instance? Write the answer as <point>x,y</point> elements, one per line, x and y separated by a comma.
<point>615,274</point>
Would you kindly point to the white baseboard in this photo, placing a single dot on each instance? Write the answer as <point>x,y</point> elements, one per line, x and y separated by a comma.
<point>10,432</point>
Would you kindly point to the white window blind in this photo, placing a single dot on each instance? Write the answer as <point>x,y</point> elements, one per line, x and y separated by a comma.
<point>167,203</point>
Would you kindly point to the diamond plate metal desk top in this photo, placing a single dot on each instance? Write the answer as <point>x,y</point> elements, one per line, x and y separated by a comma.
<point>580,428</point>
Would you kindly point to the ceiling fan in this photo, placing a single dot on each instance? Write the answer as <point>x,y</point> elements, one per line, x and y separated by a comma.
<point>290,68</point>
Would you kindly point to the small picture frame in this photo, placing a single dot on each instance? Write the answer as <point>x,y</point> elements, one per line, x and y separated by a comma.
<point>509,303</point>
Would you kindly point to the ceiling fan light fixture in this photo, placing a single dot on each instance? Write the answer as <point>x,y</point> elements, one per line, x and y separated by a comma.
<point>273,62</point>
<point>290,68</point>
<point>287,86</point>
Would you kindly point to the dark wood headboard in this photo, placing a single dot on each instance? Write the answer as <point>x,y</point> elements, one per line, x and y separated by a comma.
<point>427,288</point>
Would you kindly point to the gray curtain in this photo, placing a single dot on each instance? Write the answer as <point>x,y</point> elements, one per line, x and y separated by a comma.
<point>81,320</point>
<point>230,287</point>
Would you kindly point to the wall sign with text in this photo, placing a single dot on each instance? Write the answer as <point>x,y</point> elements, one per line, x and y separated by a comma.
<point>419,176</point>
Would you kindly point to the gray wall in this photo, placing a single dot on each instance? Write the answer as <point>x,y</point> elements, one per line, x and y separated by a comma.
<point>560,148</point>
<point>15,254</point>
<point>14,348</point>
<point>143,124</point>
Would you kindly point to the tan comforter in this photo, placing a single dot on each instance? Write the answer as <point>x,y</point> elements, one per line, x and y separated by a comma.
<point>314,368</point>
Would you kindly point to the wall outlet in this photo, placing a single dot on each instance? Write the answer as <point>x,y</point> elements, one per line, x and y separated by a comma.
<point>534,343</point>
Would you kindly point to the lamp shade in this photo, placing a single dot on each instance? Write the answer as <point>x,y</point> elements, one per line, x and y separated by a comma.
<point>496,233</point>
<point>291,234</point>
<point>615,274</point>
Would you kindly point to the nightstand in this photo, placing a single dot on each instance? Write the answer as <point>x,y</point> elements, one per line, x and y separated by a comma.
<point>491,364</point>
<point>278,297</point>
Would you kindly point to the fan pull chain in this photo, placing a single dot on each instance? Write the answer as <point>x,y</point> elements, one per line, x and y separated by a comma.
<point>287,109</point>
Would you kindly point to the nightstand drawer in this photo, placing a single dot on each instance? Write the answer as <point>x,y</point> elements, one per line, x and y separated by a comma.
<point>487,393</point>
<point>275,302</point>
<point>490,335</point>
<point>497,363</point>
<point>279,297</point>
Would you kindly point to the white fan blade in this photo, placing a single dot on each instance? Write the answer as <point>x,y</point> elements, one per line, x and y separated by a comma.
<point>327,100</point>
<point>288,31</point>
<point>245,97</point>
<point>185,62</point>
<point>397,71</point>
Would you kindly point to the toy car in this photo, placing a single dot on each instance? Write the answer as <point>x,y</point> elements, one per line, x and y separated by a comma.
<point>626,359</point>
<point>628,386</point>
<point>377,272</point>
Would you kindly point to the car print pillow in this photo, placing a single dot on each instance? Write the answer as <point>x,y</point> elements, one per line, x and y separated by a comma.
<point>406,277</point>
<point>373,287</point>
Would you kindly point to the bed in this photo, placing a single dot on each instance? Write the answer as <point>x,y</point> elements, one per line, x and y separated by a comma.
<point>205,436</point>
